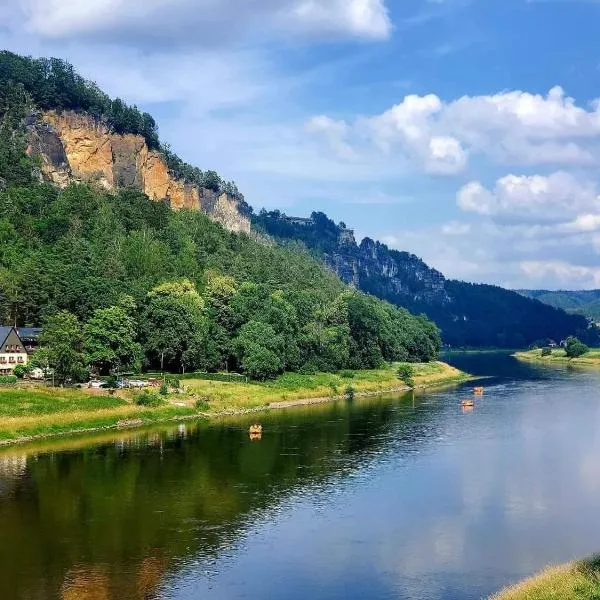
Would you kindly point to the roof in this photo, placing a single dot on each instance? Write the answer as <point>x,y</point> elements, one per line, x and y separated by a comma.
<point>4,333</point>
<point>29,332</point>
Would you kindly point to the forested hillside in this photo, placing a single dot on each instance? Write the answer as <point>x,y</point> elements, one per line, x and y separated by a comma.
<point>468,314</point>
<point>577,302</point>
<point>124,281</point>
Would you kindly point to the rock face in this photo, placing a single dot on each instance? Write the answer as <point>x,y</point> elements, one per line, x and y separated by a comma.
<point>468,314</point>
<point>77,147</point>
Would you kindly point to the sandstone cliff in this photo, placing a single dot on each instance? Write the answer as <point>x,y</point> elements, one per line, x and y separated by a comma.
<point>77,147</point>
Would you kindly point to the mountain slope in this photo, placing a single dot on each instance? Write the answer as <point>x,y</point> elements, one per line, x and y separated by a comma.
<point>125,280</point>
<point>468,314</point>
<point>578,302</point>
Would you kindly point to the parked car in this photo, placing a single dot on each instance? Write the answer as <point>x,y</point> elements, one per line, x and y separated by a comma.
<point>137,383</point>
<point>96,384</point>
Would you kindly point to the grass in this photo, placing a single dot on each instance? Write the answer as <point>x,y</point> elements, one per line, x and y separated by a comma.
<point>559,356</point>
<point>35,411</point>
<point>290,387</point>
<point>574,581</point>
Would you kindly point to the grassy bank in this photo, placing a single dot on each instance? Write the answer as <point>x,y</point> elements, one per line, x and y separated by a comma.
<point>30,412</point>
<point>574,581</point>
<point>559,356</point>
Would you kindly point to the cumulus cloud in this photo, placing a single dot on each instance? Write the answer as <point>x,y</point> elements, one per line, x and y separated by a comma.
<point>201,22</point>
<point>514,127</point>
<point>534,198</point>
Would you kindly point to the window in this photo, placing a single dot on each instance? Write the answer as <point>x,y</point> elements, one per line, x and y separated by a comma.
<point>11,359</point>
<point>20,359</point>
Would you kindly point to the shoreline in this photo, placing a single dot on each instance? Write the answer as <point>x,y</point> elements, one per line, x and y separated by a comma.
<point>153,416</point>
<point>591,359</point>
<point>576,580</point>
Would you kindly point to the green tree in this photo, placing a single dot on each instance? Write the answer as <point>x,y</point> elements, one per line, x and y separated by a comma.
<point>259,350</point>
<point>62,347</point>
<point>110,340</point>
<point>174,325</point>
<point>406,373</point>
<point>575,348</point>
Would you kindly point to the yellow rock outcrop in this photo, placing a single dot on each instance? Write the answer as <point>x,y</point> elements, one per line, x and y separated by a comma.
<point>77,147</point>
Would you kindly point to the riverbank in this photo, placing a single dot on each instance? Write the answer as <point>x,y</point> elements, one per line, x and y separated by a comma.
<point>28,413</point>
<point>559,356</point>
<point>574,581</point>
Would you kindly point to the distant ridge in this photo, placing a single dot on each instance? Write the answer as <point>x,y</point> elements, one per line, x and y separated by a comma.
<point>469,315</point>
<point>575,302</point>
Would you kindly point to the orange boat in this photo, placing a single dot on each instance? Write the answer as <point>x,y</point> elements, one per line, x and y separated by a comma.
<point>468,404</point>
<point>255,432</point>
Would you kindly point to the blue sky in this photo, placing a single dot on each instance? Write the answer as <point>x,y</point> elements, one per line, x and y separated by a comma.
<point>465,131</point>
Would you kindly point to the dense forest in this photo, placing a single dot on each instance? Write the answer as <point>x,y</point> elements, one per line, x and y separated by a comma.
<point>53,84</point>
<point>576,302</point>
<point>119,281</point>
<point>469,315</point>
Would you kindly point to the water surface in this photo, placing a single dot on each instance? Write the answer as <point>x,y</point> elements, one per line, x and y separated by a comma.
<point>405,497</point>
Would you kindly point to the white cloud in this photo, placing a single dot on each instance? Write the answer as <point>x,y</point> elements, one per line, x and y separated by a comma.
<point>201,22</point>
<point>563,274</point>
<point>335,132</point>
<point>535,198</point>
<point>513,127</point>
<point>456,228</point>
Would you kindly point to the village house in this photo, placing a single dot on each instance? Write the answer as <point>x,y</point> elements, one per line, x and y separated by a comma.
<point>12,350</point>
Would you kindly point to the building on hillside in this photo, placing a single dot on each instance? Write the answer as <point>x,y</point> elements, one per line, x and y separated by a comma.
<point>12,350</point>
<point>30,337</point>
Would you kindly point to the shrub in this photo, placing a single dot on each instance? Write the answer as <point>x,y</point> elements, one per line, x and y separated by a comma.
<point>202,403</point>
<point>347,374</point>
<point>310,368</point>
<point>164,389</point>
<point>20,371</point>
<point>148,398</point>
<point>8,379</point>
<point>574,348</point>
<point>334,389</point>
<point>546,351</point>
<point>405,373</point>
<point>171,380</point>
<point>349,393</point>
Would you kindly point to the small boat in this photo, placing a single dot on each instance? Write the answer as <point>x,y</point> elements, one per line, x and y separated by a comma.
<point>478,390</point>
<point>255,432</point>
<point>468,404</point>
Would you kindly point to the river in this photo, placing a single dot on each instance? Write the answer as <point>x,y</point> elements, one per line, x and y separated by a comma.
<point>404,497</point>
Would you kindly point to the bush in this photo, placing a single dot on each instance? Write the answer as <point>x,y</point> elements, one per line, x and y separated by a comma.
<point>164,389</point>
<point>574,348</point>
<point>171,380</point>
<point>148,398</point>
<point>202,403</point>
<point>349,393</point>
<point>546,351</point>
<point>347,374</point>
<point>20,371</point>
<point>405,374</point>
<point>8,379</point>
<point>310,368</point>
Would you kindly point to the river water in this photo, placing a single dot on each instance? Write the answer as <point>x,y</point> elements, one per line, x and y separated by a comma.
<point>404,497</point>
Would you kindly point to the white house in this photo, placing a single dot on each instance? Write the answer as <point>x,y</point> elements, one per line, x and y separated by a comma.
<point>12,350</point>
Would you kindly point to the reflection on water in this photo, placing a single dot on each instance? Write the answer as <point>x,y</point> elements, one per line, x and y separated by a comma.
<point>412,497</point>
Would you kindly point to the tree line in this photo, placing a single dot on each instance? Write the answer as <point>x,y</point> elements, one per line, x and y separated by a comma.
<point>120,282</point>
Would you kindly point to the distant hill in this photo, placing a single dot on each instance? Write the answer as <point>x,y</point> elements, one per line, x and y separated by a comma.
<point>472,315</point>
<point>577,302</point>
